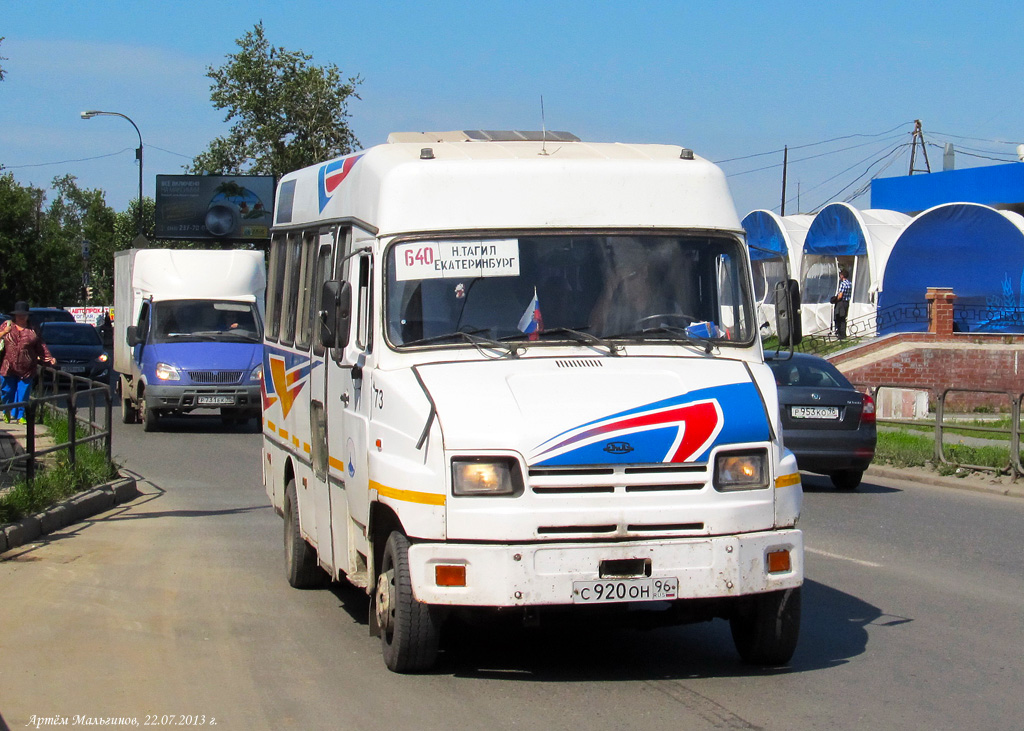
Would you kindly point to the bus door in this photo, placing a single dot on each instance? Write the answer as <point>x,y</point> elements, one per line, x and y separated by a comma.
<point>318,270</point>
<point>347,406</point>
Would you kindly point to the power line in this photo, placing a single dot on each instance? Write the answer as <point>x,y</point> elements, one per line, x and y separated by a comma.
<point>829,180</point>
<point>846,187</point>
<point>169,152</point>
<point>976,139</point>
<point>813,144</point>
<point>65,162</point>
<point>813,157</point>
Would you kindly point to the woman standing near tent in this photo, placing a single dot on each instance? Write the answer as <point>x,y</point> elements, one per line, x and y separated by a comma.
<point>23,350</point>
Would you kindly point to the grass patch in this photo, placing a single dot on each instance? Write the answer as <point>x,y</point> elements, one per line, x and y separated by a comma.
<point>906,449</point>
<point>59,481</point>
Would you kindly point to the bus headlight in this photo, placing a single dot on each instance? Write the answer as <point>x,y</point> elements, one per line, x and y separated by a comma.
<point>486,476</point>
<point>167,372</point>
<point>741,471</point>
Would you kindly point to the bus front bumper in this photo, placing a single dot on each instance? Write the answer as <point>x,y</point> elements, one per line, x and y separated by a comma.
<point>562,573</point>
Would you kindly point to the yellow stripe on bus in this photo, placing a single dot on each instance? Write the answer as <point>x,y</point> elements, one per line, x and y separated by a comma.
<point>787,480</point>
<point>408,496</point>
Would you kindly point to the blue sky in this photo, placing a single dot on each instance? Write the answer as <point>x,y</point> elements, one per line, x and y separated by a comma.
<point>729,79</point>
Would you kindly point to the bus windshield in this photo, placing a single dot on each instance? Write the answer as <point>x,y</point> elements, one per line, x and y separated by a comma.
<point>177,321</point>
<point>555,287</point>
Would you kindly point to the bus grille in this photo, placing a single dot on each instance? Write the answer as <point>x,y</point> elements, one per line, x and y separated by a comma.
<point>215,376</point>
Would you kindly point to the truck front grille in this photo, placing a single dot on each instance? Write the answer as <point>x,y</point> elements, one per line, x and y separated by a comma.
<point>218,377</point>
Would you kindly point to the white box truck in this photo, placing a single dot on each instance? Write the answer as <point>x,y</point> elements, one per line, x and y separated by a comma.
<point>188,331</point>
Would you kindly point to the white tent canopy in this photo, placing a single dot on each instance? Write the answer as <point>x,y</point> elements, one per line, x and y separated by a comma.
<point>840,236</point>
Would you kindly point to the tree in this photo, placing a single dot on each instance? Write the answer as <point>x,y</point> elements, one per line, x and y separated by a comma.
<point>2,58</point>
<point>288,113</point>
<point>76,215</point>
<point>19,239</point>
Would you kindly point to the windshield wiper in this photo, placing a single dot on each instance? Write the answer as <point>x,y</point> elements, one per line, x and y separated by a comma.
<point>470,336</point>
<point>675,335</point>
<point>583,338</point>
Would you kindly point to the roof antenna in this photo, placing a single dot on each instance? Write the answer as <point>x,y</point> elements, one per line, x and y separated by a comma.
<point>543,129</point>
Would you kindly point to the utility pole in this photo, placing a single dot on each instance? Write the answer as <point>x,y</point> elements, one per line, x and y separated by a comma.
<point>785,164</point>
<point>918,139</point>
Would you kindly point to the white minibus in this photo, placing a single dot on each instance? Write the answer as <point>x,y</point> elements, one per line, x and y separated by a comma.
<point>519,372</point>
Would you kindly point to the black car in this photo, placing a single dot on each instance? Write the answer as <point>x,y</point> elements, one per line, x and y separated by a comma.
<point>827,423</point>
<point>78,349</point>
<point>39,315</point>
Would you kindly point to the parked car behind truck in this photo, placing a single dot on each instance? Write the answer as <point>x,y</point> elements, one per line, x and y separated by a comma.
<point>190,336</point>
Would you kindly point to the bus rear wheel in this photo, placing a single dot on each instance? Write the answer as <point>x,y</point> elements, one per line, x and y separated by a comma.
<point>299,557</point>
<point>409,630</point>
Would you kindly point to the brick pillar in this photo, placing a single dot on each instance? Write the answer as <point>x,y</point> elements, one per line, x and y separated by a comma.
<point>940,310</point>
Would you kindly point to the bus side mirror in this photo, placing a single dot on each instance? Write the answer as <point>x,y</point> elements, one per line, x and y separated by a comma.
<point>132,336</point>
<point>336,314</point>
<point>788,323</point>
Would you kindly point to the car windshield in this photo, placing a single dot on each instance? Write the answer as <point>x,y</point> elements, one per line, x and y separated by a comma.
<point>808,374</point>
<point>177,321</point>
<point>57,334</point>
<point>580,288</point>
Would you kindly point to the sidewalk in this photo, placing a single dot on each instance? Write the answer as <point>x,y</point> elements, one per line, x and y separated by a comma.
<point>13,440</point>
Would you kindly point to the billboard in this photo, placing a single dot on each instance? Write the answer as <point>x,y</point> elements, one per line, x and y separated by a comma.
<point>222,207</point>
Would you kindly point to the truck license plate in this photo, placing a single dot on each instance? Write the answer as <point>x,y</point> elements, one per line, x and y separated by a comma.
<point>814,412</point>
<point>215,400</point>
<point>624,590</point>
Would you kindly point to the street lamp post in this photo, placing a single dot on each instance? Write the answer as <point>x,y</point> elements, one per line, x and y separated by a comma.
<point>89,114</point>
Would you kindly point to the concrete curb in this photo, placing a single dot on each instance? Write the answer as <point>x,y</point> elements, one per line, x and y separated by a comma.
<point>73,510</point>
<point>974,482</point>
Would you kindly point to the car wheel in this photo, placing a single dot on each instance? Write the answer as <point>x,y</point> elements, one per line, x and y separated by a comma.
<point>766,627</point>
<point>149,417</point>
<point>409,630</point>
<point>128,413</point>
<point>847,479</point>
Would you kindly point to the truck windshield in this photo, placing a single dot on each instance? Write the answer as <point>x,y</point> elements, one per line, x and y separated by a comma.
<point>557,287</point>
<point>176,321</point>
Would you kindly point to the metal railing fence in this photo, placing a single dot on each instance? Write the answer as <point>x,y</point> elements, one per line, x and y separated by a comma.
<point>944,420</point>
<point>85,403</point>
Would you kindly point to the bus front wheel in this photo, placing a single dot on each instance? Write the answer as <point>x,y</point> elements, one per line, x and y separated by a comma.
<point>409,630</point>
<point>765,627</point>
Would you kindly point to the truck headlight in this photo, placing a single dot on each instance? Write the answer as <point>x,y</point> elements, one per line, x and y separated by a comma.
<point>741,471</point>
<point>257,373</point>
<point>167,372</point>
<point>486,476</point>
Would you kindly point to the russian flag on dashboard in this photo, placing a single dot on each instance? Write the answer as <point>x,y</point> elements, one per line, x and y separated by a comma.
<point>531,322</point>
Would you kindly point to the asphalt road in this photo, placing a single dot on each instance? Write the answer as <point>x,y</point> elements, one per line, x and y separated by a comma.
<point>174,609</point>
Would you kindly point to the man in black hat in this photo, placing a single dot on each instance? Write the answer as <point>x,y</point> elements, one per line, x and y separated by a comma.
<point>23,351</point>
